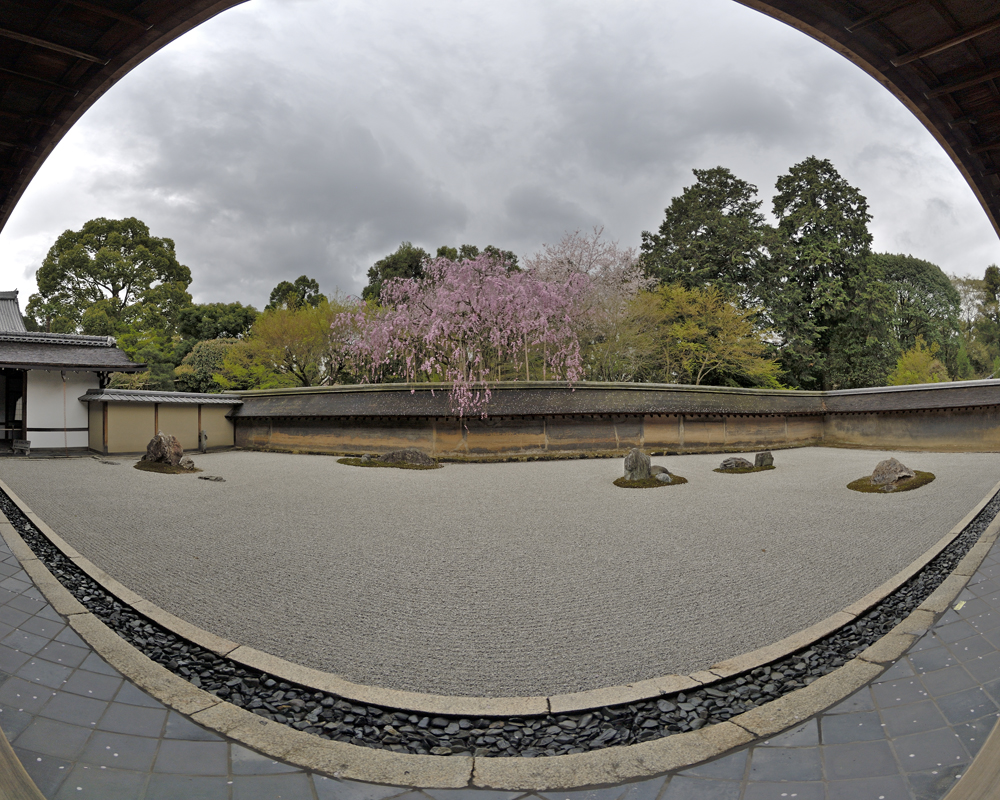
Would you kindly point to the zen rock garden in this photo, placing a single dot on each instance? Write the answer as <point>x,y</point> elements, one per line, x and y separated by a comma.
<point>164,454</point>
<point>400,459</point>
<point>738,466</point>
<point>640,473</point>
<point>889,476</point>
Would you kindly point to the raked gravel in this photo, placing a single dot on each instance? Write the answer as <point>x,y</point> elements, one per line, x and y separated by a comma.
<point>500,579</point>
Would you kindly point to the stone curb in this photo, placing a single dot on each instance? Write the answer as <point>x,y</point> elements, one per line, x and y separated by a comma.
<point>595,768</point>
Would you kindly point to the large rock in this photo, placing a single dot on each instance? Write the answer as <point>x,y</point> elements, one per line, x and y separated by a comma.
<point>414,457</point>
<point>891,471</point>
<point>735,463</point>
<point>764,459</point>
<point>164,449</point>
<point>637,465</point>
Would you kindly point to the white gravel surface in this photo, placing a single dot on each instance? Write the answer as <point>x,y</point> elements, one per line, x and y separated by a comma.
<point>500,579</point>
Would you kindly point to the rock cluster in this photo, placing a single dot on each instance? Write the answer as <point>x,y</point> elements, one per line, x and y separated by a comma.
<point>889,473</point>
<point>735,463</point>
<point>637,466</point>
<point>165,449</point>
<point>662,474</point>
<point>333,717</point>
<point>414,457</point>
<point>764,459</point>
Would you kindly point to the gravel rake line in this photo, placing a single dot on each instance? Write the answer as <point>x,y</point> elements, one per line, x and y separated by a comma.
<point>333,717</point>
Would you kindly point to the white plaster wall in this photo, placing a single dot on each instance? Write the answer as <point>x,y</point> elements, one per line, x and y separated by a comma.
<point>45,407</point>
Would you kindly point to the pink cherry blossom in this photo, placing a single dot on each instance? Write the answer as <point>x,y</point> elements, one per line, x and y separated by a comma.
<point>468,323</point>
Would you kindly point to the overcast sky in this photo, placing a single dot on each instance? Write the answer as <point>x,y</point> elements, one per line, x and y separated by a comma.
<point>289,137</point>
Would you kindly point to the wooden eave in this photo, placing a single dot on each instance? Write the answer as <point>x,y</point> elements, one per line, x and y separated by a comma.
<point>57,57</point>
<point>940,58</point>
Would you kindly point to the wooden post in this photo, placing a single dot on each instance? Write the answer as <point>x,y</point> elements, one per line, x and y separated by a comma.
<point>24,404</point>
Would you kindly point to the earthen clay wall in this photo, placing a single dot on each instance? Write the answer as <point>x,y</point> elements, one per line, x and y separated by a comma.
<point>611,418</point>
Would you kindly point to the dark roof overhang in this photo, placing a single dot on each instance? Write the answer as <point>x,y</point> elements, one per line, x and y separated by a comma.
<point>57,57</point>
<point>940,58</point>
<point>71,367</point>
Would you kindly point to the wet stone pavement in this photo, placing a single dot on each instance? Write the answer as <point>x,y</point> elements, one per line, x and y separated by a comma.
<point>83,731</point>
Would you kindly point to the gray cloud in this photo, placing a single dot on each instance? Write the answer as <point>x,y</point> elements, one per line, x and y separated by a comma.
<point>284,138</point>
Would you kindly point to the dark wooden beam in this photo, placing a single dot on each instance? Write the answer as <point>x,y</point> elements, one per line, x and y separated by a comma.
<point>957,86</point>
<point>107,12</point>
<point>985,148</point>
<point>69,51</point>
<point>976,119</point>
<point>17,146</point>
<point>17,115</point>
<point>35,79</point>
<point>947,44</point>
<point>882,13</point>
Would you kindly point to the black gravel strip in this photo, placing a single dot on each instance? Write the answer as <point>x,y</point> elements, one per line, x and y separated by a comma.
<point>337,718</point>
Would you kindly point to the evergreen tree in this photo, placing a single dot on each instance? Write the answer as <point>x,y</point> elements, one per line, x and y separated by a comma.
<point>407,262</point>
<point>712,235</point>
<point>819,254</point>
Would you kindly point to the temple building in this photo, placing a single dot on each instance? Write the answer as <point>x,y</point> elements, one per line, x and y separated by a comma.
<point>43,375</point>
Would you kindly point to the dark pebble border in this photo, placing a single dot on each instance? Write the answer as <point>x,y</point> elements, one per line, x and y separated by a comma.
<point>340,719</point>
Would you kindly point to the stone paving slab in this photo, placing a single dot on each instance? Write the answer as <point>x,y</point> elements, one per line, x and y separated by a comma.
<point>499,579</point>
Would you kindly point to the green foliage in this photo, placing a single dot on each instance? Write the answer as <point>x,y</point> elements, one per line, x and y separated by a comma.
<point>964,371</point>
<point>863,347</point>
<point>918,365</point>
<point>129,380</point>
<point>288,347</point>
<point>697,336</point>
<point>304,291</point>
<point>712,235</point>
<point>116,262</point>
<point>926,303</point>
<point>406,262</point>
<point>818,252</point>
<point>197,370</point>
<point>216,321</point>
<point>100,319</point>
<point>991,282</point>
<point>975,352</point>
<point>468,252</point>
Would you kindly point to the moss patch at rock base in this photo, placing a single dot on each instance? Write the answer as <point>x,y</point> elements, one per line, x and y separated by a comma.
<point>865,484</point>
<point>357,462</point>
<point>744,471</point>
<point>164,469</point>
<point>650,483</point>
